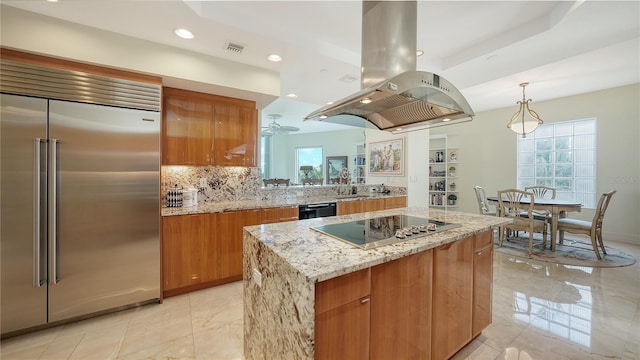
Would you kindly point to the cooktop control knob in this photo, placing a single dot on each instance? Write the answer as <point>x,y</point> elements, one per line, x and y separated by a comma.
<point>432,227</point>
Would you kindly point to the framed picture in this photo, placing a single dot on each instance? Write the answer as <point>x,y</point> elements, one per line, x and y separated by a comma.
<point>386,158</point>
<point>335,172</point>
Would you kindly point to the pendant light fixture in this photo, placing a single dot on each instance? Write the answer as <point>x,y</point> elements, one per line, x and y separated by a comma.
<point>525,120</point>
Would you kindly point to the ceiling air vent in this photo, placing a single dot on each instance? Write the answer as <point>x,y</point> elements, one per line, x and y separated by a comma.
<point>234,47</point>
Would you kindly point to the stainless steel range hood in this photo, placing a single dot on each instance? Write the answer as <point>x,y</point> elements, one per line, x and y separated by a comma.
<point>394,96</point>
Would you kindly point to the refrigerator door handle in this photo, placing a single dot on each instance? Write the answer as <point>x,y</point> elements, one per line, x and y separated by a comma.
<point>37,282</point>
<point>53,196</point>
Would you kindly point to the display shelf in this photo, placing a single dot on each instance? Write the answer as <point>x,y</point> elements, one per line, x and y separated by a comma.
<point>358,172</point>
<point>444,167</point>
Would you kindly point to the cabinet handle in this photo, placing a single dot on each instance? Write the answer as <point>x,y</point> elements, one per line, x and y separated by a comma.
<point>365,300</point>
<point>479,253</point>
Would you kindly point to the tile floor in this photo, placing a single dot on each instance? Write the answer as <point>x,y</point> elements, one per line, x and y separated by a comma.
<point>541,311</point>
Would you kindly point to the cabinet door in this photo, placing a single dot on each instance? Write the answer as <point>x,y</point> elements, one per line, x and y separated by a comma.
<point>187,128</point>
<point>395,202</point>
<point>279,214</point>
<point>342,317</point>
<point>349,207</point>
<point>452,299</point>
<point>236,134</point>
<point>343,333</point>
<point>229,231</point>
<point>188,250</point>
<point>401,308</point>
<point>482,282</point>
<point>372,205</point>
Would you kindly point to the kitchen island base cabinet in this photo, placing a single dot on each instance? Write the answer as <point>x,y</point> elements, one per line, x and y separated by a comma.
<point>452,297</point>
<point>401,308</point>
<point>482,282</point>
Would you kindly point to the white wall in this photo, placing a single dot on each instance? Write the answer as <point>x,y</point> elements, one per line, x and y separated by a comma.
<point>488,150</point>
<point>30,32</point>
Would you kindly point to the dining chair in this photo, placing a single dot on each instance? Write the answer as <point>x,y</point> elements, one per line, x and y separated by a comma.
<point>510,205</point>
<point>483,204</point>
<point>541,191</point>
<point>592,228</point>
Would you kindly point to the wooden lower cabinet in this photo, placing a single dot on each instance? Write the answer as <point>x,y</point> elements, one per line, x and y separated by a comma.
<point>229,232</point>
<point>401,308</point>
<point>482,282</point>
<point>342,307</point>
<point>395,202</point>
<point>452,298</point>
<point>204,250</point>
<point>349,207</point>
<point>189,250</point>
<point>279,214</point>
<point>427,305</point>
<point>373,205</point>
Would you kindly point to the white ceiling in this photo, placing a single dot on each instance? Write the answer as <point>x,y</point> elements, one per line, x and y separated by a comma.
<point>485,48</point>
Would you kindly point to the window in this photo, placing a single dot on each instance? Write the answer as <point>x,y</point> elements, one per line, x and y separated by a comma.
<point>561,155</point>
<point>309,156</point>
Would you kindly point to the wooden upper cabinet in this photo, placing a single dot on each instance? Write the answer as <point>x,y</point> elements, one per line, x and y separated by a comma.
<point>236,134</point>
<point>187,128</point>
<point>206,129</point>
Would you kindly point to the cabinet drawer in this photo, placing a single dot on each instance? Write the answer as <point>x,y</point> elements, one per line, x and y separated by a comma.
<point>483,240</point>
<point>336,292</point>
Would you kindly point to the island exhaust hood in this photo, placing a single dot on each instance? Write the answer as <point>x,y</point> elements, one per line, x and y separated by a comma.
<point>394,96</point>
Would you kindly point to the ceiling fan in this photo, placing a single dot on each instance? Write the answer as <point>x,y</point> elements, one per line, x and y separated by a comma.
<point>274,128</point>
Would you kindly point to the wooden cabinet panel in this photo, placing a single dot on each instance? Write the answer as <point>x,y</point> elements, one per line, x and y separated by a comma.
<point>395,202</point>
<point>401,308</point>
<point>236,134</point>
<point>229,231</point>
<point>187,128</point>
<point>349,207</point>
<point>482,282</point>
<point>372,205</point>
<point>206,129</point>
<point>188,250</point>
<point>338,291</point>
<point>343,333</point>
<point>342,318</point>
<point>279,214</point>
<point>452,297</point>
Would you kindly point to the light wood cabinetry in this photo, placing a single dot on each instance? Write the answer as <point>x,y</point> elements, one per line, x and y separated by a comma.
<point>279,214</point>
<point>205,129</point>
<point>189,250</point>
<point>236,134</point>
<point>358,206</point>
<point>342,307</point>
<point>229,232</point>
<point>401,308</point>
<point>204,250</point>
<point>187,128</point>
<point>395,202</point>
<point>482,282</point>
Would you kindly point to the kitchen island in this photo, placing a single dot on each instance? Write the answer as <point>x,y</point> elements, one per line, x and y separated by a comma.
<point>310,296</point>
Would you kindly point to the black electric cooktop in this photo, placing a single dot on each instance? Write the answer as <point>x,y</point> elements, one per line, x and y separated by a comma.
<point>371,233</point>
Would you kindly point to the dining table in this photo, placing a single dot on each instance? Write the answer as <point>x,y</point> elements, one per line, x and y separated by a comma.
<point>554,206</point>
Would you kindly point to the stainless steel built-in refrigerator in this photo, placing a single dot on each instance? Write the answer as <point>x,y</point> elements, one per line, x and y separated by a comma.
<point>80,203</point>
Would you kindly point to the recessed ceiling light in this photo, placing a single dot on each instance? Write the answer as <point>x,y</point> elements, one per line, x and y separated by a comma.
<point>274,57</point>
<point>52,0</point>
<point>329,102</point>
<point>183,33</point>
<point>419,53</point>
<point>365,101</point>
<point>323,116</point>
<point>446,119</point>
<point>292,95</point>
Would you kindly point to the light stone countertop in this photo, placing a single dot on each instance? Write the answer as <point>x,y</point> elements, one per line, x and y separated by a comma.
<point>289,200</point>
<point>319,257</point>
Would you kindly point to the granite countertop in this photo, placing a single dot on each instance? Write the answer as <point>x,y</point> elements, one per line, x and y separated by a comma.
<point>319,257</point>
<point>289,200</point>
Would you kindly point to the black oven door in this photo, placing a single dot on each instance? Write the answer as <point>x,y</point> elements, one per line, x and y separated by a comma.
<point>316,210</point>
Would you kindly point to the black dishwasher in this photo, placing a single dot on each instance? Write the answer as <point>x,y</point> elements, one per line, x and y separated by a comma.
<point>310,211</point>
